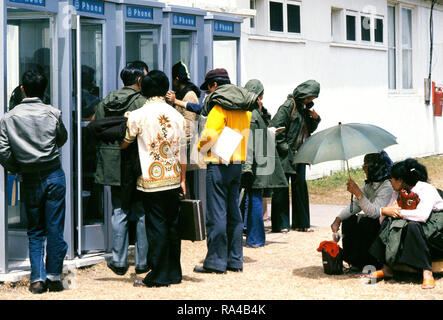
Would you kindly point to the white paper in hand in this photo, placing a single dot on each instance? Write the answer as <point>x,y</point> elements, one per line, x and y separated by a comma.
<point>226,144</point>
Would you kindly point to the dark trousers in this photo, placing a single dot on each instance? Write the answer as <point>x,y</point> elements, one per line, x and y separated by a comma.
<point>358,236</point>
<point>300,203</point>
<point>224,225</point>
<point>414,250</point>
<point>162,213</point>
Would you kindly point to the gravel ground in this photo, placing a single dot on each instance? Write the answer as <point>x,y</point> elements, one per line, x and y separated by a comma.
<point>287,268</point>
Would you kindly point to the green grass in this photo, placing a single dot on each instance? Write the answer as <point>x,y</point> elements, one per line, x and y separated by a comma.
<point>337,180</point>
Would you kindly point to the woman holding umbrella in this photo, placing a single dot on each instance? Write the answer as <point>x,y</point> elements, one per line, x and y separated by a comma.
<point>361,220</point>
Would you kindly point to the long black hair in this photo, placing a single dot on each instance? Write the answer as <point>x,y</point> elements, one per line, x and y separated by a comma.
<point>410,171</point>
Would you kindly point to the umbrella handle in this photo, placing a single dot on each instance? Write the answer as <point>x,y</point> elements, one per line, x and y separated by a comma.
<point>349,175</point>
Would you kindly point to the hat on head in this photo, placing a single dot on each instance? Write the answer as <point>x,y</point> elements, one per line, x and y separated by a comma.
<point>180,70</point>
<point>215,73</point>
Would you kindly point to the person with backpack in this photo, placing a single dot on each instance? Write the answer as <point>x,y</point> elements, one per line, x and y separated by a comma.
<point>227,105</point>
<point>115,168</point>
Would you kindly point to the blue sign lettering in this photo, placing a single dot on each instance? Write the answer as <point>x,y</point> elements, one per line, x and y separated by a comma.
<point>223,26</point>
<point>139,13</point>
<point>183,20</point>
<point>89,6</point>
<point>40,3</point>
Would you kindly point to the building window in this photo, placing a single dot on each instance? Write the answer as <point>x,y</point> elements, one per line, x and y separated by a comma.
<point>276,16</point>
<point>365,24</point>
<point>392,48</point>
<point>400,51</point>
<point>378,32</point>
<point>350,28</point>
<point>406,23</point>
<point>284,16</point>
<point>252,6</point>
<point>293,18</point>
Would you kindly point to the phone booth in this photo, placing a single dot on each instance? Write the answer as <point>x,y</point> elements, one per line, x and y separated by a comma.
<point>141,38</point>
<point>184,38</point>
<point>92,56</point>
<point>28,42</point>
<point>222,44</point>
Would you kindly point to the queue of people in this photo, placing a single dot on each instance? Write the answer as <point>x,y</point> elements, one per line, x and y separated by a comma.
<point>149,146</point>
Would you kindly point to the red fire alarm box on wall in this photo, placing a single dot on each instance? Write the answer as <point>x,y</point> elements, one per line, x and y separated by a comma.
<point>437,95</point>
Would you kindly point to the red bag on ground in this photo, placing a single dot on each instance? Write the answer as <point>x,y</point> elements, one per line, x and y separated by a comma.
<point>332,257</point>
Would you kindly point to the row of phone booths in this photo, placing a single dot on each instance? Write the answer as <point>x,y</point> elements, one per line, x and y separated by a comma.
<point>81,46</point>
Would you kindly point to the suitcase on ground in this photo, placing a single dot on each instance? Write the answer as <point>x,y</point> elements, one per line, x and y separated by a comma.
<point>191,220</point>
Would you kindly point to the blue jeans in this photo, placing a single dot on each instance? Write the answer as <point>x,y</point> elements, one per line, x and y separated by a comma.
<point>255,230</point>
<point>224,225</point>
<point>44,197</point>
<point>120,238</point>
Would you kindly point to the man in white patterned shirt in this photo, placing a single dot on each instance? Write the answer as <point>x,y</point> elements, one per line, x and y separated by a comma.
<point>159,131</point>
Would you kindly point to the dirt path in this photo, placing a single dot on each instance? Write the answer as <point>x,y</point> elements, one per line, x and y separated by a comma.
<point>287,268</point>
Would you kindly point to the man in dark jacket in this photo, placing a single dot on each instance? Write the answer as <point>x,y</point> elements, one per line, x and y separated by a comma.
<point>30,138</point>
<point>115,169</point>
<point>299,121</point>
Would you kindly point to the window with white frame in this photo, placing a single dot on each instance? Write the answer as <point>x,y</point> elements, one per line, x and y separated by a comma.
<point>365,28</point>
<point>400,51</point>
<point>253,6</point>
<point>351,19</point>
<point>356,27</point>
<point>284,16</point>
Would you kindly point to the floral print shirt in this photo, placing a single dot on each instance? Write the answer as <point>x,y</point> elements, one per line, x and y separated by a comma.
<point>160,133</point>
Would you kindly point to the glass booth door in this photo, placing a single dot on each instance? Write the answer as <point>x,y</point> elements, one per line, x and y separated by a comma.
<point>29,47</point>
<point>182,49</point>
<point>90,198</point>
<point>225,56</point>
<point>142,44</point>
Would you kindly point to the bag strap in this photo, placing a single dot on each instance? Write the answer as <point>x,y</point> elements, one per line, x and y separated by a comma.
<point>293,109</point>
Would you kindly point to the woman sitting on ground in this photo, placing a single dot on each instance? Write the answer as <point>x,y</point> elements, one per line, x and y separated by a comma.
<point>361,220</point>
<point>404,227</point>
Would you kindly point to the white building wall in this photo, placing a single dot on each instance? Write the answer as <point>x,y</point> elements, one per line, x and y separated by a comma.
<point>353,76</point>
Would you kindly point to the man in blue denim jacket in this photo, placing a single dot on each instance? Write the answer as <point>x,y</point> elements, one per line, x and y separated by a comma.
<point>30,138</point>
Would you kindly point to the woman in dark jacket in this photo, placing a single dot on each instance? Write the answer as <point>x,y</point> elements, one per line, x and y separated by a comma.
<point>299,121</point>
<point>261,170</point>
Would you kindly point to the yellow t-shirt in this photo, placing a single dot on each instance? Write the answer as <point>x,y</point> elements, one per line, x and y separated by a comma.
<point>217,120</point>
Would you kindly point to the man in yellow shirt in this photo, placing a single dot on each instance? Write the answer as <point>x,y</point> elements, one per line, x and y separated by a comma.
<point>226,105</point>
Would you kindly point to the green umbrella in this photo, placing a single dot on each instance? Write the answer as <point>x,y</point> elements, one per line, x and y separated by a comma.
<point>343,142</point>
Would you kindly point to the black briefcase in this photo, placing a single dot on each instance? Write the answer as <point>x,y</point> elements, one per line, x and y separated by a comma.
<point>191,220</point>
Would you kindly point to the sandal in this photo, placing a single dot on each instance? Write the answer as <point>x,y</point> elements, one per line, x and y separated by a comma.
<point>428,284</point>
<point>378,276</point>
